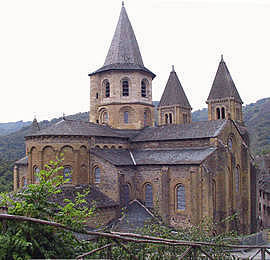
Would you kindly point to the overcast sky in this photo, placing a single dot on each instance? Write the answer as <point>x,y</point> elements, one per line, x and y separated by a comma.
<point>47,49</point>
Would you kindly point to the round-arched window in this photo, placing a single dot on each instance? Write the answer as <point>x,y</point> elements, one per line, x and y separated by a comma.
<point>97,174</point>
<point>125,88</point>
<point>68,174</point>
<point>144,88</point>
<point>148,195</point>
<point>180,197</point>
<point>36,173</point>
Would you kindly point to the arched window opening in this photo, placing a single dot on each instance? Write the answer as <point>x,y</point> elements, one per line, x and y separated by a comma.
<point>96,95</point>
<point>185,118</point>
<point>125,88</point>
<point>24,181</point>
<point>68,174</point>
<point>143,88</point>
<point>166,119</point>
<point>97,174</point>
<point>105,117</point>
<point>36,172</point>
<point>218,113</point>
<point>126,117</point>
<point>223,112</point>
<point>170,118</point>
<point>126,193</point>
<point>148,195</point>
<point>180,197</point>
<point>237,179</point>
<point>107,89</point>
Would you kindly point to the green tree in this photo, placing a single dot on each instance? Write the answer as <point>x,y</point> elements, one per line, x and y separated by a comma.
<point>25,240</point>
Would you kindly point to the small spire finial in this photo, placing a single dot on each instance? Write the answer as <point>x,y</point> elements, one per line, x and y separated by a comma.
<point>64,116</point>
<point>123,4</point>
<point>172,67</point>
<point>222,57</point>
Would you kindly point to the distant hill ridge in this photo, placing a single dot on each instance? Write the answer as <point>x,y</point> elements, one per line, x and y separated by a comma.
<point>256,117</point>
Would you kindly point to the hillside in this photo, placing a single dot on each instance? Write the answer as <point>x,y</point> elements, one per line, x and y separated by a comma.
<point>12,148</point>
<point>7,128</point>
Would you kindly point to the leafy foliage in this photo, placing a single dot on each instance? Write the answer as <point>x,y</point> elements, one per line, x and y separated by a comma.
<point>24,240</point>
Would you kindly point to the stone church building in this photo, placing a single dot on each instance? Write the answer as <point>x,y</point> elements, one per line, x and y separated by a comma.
<point>186,170</point>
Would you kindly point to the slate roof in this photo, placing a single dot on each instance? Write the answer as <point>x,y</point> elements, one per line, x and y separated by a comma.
<point>182,156</point>
<point>223,85</point>
<point>94,197</point>
<point>174,93</point>
<point>81,128</point>
<point>22,161</point>
<point>136,216</point>
<point>194,130</point>
<point>124,52</point>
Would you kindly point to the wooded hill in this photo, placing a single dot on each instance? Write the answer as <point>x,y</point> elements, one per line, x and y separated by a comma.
<point>12,148</point>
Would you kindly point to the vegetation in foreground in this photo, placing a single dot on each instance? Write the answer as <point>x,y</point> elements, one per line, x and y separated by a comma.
<point>26,240</point>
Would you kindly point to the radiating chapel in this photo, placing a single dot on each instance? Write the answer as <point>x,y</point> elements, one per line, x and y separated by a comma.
<point>185,170</point>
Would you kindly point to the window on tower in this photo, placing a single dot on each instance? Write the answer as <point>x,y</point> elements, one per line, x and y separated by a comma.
<point>107,89</point>
<point>223,112</point>
<point>143,88</point>
<point>126,117</point>
<point>125,88</point>
<point>218,113</point>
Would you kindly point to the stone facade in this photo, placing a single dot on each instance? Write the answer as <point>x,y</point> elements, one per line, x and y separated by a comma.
<point>186,171</point>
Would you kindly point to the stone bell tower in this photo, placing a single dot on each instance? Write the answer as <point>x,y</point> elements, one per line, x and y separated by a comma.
<point>121,90</point>
<point>224,100</point>
<point>174,107</point>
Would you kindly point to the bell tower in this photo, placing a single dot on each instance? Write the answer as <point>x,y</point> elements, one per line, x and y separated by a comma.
<point>174,107</point>
<point>121,90</point>
<point>224,100</point>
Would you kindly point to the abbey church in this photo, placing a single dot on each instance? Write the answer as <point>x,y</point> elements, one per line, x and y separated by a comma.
<point>187,170</point>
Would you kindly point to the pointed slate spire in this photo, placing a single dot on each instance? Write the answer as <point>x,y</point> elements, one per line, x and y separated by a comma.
<point>223,85</point>
<point>174,93</point>
<point>124,52</point>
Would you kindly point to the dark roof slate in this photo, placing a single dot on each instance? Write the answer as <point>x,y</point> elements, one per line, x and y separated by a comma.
<point>124,52</point>
<point>94,197</point>
<point>223,85</point>
<point>81,128</point>
<point>22,161</point>
<point>194,130</point>
<point>174,93</point>
<point>135,217</point>
<point>182,156</point>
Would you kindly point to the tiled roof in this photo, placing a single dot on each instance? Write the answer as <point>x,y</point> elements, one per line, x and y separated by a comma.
<point>195,130</point>
<point>124,52</point>
<point>223,85</point>
<point>135,217</point>
<point>82,128</point>
<point>22,161</point>
<point>94,197</point>
<point>182,156</point>
<point>174,93</point>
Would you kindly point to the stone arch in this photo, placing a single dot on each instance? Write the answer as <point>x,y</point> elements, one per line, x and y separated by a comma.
<point>127,115</point>
<point>223,112</point>
<point>148,195</point>
<point>68,156</point>
<point>125,87</point>
<point>48,154</point>
<point>103,116</point>
<point>180,197</point>
<point>144,87</point>
<point>34,155</point>
<point>218,113</point>
<point>147,117</point>
<point>106,88</point>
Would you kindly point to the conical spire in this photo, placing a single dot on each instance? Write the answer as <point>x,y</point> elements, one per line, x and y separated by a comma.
<point>124,47</point>
<point>223,85</point>
<point>124,52</point>
<point>174,93</point>
<point>34,126</point>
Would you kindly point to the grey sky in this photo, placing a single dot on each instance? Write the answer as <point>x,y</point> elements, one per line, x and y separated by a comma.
<point>47,49</point>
